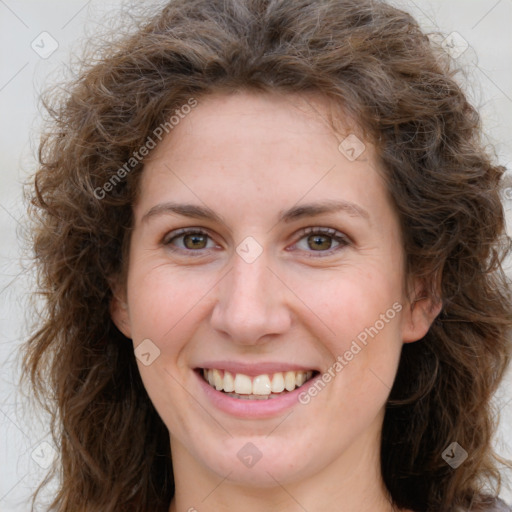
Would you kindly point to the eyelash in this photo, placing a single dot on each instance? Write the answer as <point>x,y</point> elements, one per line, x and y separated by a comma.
<point>342,239</point>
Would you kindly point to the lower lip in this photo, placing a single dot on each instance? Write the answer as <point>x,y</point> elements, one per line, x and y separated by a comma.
<point>252,408</point>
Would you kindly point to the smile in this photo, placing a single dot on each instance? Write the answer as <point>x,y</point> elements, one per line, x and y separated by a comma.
<point>259,387</point>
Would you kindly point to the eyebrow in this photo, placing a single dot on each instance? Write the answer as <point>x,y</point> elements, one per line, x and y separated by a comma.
<point>185,210</point>
<point>295,213</point>
<point>323,207</point>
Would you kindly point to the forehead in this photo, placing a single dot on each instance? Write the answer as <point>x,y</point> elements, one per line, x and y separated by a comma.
<point>247,120</point>
<point>263,149</point>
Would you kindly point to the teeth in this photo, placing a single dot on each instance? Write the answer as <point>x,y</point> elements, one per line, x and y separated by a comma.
<point>218,381</point>
<point>264,386</point>
<point>229,382</point>
<point>243,384</point>
<point>261,385</point>
<point>277,383</point>
<point>289,381</point>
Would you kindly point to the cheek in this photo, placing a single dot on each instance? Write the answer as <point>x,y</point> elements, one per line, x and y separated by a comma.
<point>164,304</point>
<point>163,300</point>
<point>362,319</point>
<point>351,300</point>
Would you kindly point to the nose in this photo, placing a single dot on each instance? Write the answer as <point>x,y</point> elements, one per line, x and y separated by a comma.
<point>251,305</point>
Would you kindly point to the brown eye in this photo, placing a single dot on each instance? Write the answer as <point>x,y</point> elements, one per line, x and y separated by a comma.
<point>319,242</point>
<point>191,241</point>
<point>322,241</point>
<point>195,241</point>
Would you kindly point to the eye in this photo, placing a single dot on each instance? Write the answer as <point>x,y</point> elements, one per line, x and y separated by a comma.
<point>188,240</point>
<point>321,240</point>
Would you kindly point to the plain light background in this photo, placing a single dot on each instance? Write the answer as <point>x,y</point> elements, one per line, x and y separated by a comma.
<point>25,446</point>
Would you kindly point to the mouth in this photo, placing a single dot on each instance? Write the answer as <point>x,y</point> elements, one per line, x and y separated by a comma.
<point>259,387</point>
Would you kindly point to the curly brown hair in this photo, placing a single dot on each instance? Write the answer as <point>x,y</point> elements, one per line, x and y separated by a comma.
<point>374,61</point>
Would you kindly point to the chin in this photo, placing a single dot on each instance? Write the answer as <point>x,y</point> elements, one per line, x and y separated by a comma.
<point>256,461</point>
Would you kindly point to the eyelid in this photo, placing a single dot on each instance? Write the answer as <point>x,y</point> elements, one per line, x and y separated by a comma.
<point>177,233</point>
<point>324,230</point>
<point>342,239</point>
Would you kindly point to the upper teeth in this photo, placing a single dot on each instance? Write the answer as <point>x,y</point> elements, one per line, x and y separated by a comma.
<point>264,384</point>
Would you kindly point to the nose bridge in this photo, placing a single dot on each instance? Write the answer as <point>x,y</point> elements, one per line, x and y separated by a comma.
<point>250,302</point>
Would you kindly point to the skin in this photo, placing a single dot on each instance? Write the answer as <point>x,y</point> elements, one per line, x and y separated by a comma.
<point>248,156</point>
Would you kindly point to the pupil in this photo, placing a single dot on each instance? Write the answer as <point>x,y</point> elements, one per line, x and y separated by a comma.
<point>321,241</point>
<point>195,241</point>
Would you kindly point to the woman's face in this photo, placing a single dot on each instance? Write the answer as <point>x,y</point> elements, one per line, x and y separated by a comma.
<point>265,254</point>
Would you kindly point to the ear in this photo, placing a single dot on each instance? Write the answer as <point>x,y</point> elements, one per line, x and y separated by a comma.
<point>119,310</point>
<point>419,313</point>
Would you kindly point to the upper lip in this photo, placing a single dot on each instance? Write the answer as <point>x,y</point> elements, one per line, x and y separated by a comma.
<point>254,369</point>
